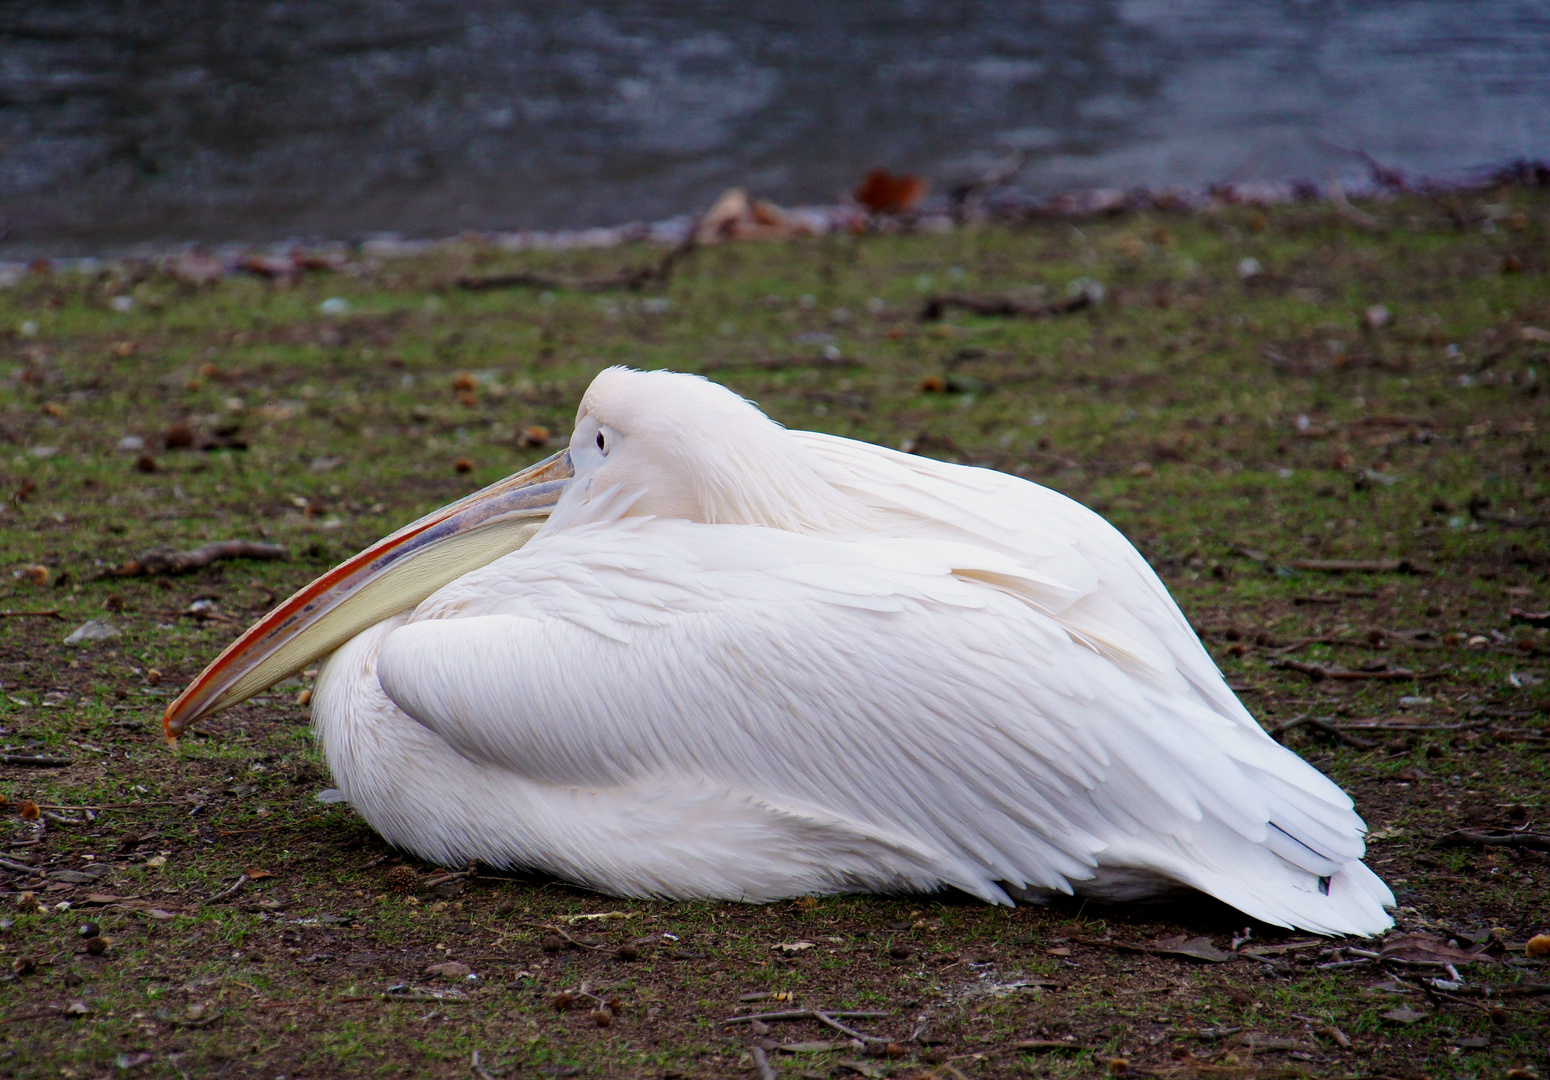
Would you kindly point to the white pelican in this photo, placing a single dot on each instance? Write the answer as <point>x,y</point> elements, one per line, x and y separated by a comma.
<point>699,655</point>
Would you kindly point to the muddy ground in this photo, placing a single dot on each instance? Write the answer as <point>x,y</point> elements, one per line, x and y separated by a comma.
<point>1256,396</point>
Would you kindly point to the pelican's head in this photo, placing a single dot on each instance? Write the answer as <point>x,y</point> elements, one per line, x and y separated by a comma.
<point>669,445</point>
<point>646,443</point>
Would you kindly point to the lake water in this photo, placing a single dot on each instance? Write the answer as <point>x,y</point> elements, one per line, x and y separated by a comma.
<point>162,120</point>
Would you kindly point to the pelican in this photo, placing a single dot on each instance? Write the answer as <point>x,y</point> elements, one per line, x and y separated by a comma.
<point>699,655</point>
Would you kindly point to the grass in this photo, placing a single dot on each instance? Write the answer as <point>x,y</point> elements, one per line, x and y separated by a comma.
<point>1232,417</point>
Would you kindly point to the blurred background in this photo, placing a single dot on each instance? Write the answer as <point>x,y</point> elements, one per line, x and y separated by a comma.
<point>157,121</point>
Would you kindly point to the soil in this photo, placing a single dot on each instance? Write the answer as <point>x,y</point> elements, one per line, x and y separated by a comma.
<point>1236,403</point>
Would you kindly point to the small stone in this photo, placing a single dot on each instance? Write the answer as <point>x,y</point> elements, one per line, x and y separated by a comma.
<point>1538,946</point>
<point>93,630</point>
<point>334,305</point>
<point>88,929</point>
<point>77,1008</point>
<point>452,971</point>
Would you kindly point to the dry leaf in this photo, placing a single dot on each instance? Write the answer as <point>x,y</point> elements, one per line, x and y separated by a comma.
<point>791,946</point>
<point>883,193</point>
<point>1425,948</point>
<point>1198,948</point>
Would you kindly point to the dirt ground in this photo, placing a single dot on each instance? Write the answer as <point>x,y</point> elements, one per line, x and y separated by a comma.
<point>1326,430</point>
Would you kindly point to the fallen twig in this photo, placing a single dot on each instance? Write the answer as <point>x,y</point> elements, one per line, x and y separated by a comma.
<point>20,868</point>
<point>567,938</point>
<point>936,306</point>
<point>450,875</point>
<point>35,761</point>
<point>50,613</point>
<point>761,1063</point>
<point>35,1015</point>
<point>232,890</point>
<point>1320,725</point>
<point>1039,1046</point>
<point>1529,618</point>
<point>806,1014</point>
<point>1356,566</point>
<point>824,1018</point>
<point>161,560</point>
<point>1462,837</point>
<point>1318,671</point>
<point>1478,511</point>
<point>484,1074</point>
<point>1516,990</point>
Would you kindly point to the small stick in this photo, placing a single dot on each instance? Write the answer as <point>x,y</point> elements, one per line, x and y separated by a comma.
<point>761,1063</point>
<point>51,613</point>
<point>805,1014</point>
<point>35,761</point>
<point>20,868</point>
<point>163,560</point>
<point>1523,840</point>
<point>478,1067</point>
<point>935,306</point>
<point>566,937</point>
<point>1324,726</point>
<point>107,806</point>
<point>224,893</point>
<point>1318,671</point>
<point>31,1016</point>
<point>1360,566</point>
<point>823,1018</point>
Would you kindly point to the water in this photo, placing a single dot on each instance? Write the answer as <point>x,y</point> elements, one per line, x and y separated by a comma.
<point>160,120</point>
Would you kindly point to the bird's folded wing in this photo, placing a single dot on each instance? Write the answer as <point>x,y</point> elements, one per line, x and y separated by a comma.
<point>1125,603</point>
<point>870,679</point>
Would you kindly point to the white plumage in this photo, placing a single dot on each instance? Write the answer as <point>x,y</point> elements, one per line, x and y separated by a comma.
<point>747,663</point>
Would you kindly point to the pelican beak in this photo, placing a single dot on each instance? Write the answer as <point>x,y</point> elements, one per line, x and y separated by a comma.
<point>392,575</point>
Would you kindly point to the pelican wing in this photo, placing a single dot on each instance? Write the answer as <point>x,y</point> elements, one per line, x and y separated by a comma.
<point>978,711</point>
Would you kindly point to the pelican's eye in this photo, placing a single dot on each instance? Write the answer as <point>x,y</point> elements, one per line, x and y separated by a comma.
<point>602,442</point>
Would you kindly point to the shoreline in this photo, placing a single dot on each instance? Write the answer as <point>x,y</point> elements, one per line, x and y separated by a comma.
<point>990,203</point>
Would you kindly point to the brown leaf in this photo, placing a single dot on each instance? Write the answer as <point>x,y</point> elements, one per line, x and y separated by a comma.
<point>883,193</point>
<point>1425,948</point>
<point>260,875</point>
<point>1198,948</point>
